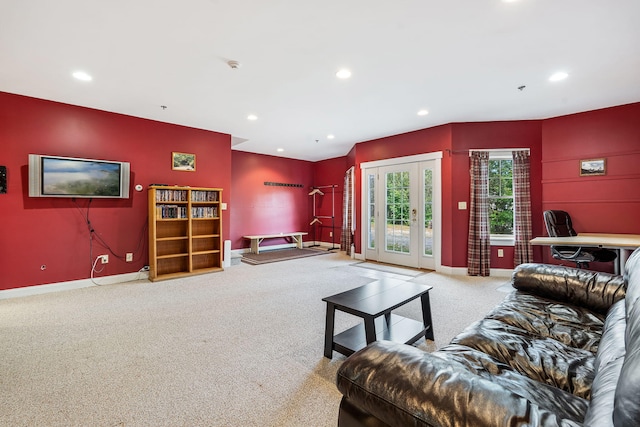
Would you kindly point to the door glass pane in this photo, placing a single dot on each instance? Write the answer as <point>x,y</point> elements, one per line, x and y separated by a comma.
<point>397,238</point>
<point>428,212</point>
<point>371,202</point>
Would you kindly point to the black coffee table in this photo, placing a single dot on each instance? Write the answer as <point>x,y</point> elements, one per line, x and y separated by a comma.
<point>371,302</point>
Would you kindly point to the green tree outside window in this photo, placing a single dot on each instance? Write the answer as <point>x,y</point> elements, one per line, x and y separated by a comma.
<point>501,196</point>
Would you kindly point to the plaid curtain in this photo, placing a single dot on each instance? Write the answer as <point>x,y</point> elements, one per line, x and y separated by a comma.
<point>479,244</point>
<point>522,202</point>
<point>346,237</point>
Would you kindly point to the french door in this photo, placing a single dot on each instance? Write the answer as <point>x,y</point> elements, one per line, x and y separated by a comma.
<point>402,214</point>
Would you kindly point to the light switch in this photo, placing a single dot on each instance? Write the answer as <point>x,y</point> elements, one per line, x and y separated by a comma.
<point>462,206</point>
<point>223,206</point>
<point>500,253</point>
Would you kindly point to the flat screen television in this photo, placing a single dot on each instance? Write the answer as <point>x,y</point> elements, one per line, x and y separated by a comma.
<point>54,176</point>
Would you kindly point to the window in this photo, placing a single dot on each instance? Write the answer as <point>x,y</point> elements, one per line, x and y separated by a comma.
<point>398,204</point>
<point>428,212</point>
<point>371,203</point>
<point>500,197</point>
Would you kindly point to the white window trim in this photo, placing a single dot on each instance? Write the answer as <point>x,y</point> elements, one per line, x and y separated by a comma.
<point>501,154</point>
<point>502,240</point>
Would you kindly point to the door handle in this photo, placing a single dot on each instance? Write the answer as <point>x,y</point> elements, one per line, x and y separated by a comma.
<point>414,214</point>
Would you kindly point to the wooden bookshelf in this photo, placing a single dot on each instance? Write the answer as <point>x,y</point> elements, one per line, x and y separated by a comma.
<point>185,231</point>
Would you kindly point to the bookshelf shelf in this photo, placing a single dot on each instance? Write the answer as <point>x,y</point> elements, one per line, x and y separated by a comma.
<point>185,231</point>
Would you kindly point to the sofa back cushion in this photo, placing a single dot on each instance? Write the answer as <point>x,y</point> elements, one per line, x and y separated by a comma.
<point>590,289</point>
<point>627,400</point>
<point>608,365</point>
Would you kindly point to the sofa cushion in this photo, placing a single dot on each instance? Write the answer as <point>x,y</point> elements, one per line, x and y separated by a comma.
<point>608,365</point>
<point>590,289</point>
<point>551,398</point>
<point>572,325</point>
<point>542,359</point>
<point>402,385</point>
<point>627,400</point>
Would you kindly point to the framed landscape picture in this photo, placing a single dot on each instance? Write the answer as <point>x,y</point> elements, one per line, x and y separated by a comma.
<point>592,167</point>
<point>183,162</point>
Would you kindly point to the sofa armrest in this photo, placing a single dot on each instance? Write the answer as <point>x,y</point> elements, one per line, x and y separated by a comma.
<point>591,289</point>
<point>405,386</point>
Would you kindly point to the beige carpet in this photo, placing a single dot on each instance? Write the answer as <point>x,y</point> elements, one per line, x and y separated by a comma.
<point>242,347</point>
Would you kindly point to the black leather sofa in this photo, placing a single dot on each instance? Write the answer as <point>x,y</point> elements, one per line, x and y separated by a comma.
<point>563,349</point>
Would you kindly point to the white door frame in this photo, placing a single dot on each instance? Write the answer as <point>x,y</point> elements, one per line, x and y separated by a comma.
<point>437,199</point>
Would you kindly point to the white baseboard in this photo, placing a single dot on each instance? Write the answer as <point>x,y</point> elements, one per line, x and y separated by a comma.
<point>458,271</point>
<point>324,245</point>
<point>265,248</point>
<point>452,271</point>
<point>501,272</point>
<point>462,271</point>
<point>73,284</point>
<point>287,245</point>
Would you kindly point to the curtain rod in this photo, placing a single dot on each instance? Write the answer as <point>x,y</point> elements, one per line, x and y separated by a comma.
<point>489,150</point>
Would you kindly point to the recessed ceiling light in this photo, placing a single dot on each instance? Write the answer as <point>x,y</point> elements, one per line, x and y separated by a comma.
<point>81,75</point>
<point>280,150</point>
<point>556,77</point>
<point>330,136</point>
<point>252,117</point>
<point>343,74</point>
<point>423,112</point>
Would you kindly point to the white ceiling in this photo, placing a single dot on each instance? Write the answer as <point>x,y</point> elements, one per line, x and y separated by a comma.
<point>463,60</point>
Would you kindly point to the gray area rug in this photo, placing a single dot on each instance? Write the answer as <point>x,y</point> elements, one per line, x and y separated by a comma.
<point>280,255</point>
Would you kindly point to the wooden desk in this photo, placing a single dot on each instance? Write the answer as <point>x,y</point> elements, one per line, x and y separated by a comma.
<point>620,242</point>
<point>257,239</point>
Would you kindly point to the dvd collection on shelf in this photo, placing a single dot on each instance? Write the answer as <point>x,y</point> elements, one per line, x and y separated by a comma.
<point>204,196</point>
<point>171,196</point>
<point>204,212</point>
<point>171,212</point>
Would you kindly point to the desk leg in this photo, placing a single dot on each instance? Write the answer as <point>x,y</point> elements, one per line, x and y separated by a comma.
<point>370,329</point>
<point>328,330</point>
<point>426,316</point>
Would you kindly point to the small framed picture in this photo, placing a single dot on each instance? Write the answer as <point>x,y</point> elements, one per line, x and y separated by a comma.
<point>183,162</point>
<point>593,167</point>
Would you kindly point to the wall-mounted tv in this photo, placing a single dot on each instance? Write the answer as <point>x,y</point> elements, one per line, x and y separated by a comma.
<point>54,176</point>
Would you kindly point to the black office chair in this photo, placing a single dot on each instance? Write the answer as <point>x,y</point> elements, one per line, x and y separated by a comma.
<point>558,224</point>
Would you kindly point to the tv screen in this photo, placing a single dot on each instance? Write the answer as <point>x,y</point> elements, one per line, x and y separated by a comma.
<point>53,176</point>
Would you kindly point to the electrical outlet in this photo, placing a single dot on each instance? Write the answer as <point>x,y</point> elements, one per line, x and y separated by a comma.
<point>331,234</point>
<point>129,257</point>
<point>500,253</point>
<point>104,259</point>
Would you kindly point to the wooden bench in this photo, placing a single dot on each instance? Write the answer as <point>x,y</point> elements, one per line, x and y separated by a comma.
<point>257,239</point>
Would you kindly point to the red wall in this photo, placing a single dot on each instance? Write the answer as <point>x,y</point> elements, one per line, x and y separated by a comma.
<point>491,135</point>
<point>266,209</point>
<point>597,204</point>
<point>406,144</point>
<point>330,172</point>
<point>53,232</point>
<point>455,140</point>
